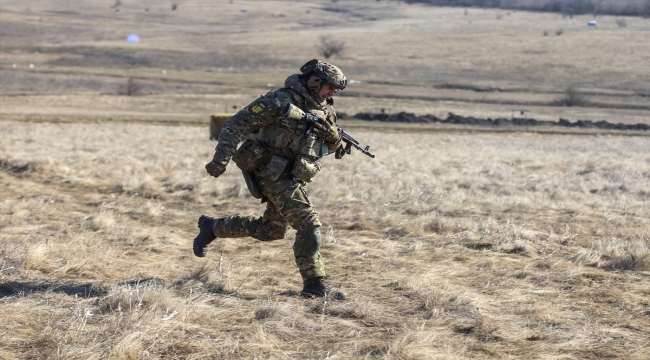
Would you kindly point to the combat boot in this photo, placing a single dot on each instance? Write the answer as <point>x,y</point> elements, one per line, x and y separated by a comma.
<point>205,237</point>
<point>316,287</point>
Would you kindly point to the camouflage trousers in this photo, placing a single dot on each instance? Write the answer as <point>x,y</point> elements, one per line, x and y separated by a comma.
<point>288,205</point>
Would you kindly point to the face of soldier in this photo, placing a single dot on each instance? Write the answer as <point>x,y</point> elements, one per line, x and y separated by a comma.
<point>327,91</point>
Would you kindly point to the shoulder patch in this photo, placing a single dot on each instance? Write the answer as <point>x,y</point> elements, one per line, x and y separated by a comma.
<point>258,108</point>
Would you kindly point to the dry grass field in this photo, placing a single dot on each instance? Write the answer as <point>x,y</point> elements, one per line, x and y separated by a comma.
<point>209,56</point>
<point>455,242</point>
<point>449,245</point>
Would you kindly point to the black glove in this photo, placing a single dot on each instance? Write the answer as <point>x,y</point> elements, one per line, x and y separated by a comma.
<point>327,130</point>
<point>215,169</point>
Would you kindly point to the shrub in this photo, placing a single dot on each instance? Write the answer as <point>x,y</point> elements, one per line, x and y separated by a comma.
<point>329,47</point>
<point>572,97</point>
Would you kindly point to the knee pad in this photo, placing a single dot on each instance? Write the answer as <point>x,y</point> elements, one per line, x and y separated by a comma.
<point>308,241</point>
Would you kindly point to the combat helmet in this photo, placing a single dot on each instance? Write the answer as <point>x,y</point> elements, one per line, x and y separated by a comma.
<point>318,72</point>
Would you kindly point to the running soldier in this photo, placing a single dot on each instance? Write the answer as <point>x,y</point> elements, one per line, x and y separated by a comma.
<point>295,126</point>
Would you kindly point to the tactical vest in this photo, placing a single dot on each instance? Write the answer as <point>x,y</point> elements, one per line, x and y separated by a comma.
<point>284,147</point>
<point>288,133</point>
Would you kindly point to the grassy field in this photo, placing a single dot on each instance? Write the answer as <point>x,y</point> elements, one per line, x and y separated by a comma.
<point>449,245</point>
<point>210,56</point>
<point>455,242</point>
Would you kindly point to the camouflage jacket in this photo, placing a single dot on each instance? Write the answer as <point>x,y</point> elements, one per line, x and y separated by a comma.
<point>280,136</point>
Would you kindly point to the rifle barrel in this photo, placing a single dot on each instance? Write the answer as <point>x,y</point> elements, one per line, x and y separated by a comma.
<point>352,142</point>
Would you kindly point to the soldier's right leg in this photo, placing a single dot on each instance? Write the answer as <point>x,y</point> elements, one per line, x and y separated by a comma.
<point>270,226</point>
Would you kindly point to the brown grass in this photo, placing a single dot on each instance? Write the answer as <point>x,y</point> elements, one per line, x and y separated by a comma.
<point>449,245</point>
<point>454,243</point>
<point>412,58</point>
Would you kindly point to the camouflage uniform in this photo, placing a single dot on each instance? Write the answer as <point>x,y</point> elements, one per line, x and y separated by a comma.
<point>277,167</point>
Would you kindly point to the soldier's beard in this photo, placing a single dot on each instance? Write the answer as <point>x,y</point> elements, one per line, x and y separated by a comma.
<point>315,94</point>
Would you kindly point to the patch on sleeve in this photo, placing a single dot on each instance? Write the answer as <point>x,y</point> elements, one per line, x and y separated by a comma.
<point>258,108</point>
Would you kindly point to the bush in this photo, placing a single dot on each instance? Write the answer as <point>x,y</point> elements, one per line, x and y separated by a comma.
<point>621,23</point>
<point>329,47</point>
<point>572,97</point>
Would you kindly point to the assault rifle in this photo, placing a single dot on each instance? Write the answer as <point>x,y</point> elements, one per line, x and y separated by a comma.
<point>293,112</point>
<point>350,143</point>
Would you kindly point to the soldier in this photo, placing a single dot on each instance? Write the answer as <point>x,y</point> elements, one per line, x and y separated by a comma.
<point>295,126</point>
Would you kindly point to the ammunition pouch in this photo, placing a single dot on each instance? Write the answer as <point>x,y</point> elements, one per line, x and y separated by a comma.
<point>250,155</point>
<point>253,156</point>
<point>306,168</point>
<point>307,163</point>
<point>272,169</point>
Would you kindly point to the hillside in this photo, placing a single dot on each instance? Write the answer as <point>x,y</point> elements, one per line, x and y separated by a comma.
<point>214,57</point>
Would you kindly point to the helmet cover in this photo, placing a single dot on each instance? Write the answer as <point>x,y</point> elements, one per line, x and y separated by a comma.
<point>326,72</point>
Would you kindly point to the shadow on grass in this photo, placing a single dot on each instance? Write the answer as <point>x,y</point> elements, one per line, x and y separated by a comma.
<point>17,288</point>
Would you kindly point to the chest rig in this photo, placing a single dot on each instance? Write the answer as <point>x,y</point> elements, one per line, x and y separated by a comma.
<point>288,134</point>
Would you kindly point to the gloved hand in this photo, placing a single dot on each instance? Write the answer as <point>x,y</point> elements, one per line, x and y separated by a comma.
<point>215,169</point>
<point>327,130</point>
<point>311,117</point>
